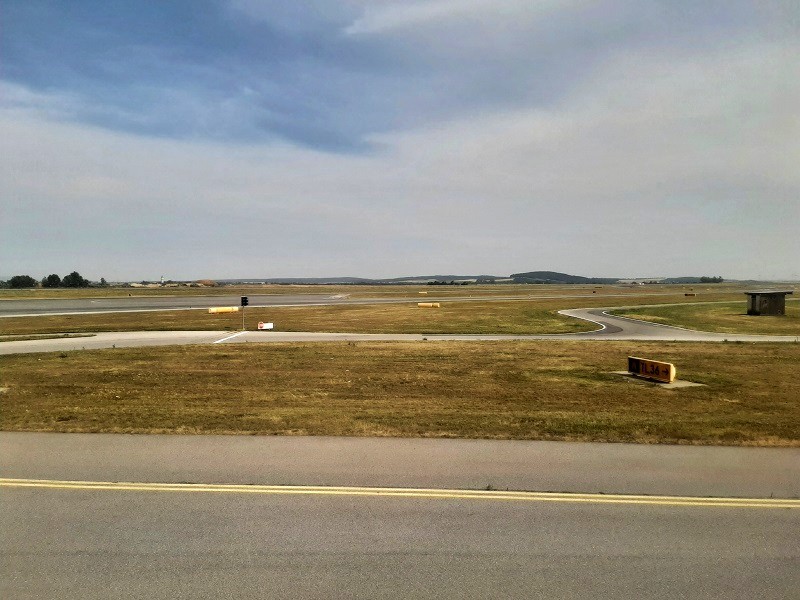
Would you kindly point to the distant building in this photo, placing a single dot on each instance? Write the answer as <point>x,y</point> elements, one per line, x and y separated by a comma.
<point>642,280</point>
<point>767,302</point>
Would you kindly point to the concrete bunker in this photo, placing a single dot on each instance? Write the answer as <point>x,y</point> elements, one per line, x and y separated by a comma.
<point>767,302</point>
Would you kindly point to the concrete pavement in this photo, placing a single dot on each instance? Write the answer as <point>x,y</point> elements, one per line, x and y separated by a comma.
<point>105,544</point>
<point>113,339</point>
<point>129,542</point>
<point>392,462</point>
<point>72,306</point>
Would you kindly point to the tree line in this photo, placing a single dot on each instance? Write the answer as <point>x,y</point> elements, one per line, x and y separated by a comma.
<point>73,280</point>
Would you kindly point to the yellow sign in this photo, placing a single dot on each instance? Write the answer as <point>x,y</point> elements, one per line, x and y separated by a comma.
<point>652,369</point>
<point>428,304</point>
<point>223,309</point>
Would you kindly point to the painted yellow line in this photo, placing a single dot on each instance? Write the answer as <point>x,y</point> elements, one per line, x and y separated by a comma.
<point>404,493</point>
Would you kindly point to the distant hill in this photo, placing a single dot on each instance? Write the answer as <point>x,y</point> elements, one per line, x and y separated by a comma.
<point>426,278</point>
<point>552,277</point>
<point>555,277</point>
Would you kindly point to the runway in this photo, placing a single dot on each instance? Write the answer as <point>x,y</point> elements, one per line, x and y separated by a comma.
<point>698,471</point>
<point>76,306</point>
<point>139,544</point>
<point>266,539</point>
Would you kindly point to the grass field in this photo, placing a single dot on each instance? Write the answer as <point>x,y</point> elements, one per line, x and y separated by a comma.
<point>517,390</point>
<point>728,317</point>
<point>501,317</point>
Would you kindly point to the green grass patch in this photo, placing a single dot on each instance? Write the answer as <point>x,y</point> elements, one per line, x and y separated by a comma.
<point>503,390</point>
<point>721,317</point>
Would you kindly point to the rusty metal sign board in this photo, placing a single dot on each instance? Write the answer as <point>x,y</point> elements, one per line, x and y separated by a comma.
<point>651,369</point>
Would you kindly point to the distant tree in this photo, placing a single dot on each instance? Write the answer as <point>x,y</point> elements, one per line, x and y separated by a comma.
<point>22,281</point>
<point>74,280</point>
<point>711,279</point>
<point>51,281</point>
<point>103,282</point>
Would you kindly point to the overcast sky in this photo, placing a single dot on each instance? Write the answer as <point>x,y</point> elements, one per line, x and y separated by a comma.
<point>260,138</point>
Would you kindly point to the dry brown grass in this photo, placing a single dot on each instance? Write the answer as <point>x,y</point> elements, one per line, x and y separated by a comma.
<point>508,390</point>
<point>727,317</point>
<point>510,317</point>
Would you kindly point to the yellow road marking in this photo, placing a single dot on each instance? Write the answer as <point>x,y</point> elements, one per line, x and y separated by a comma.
<point>405,493</point>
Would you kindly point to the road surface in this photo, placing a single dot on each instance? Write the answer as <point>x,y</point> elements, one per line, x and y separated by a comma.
<point>139,544</point>
<point>105,540</point>
<point>429,463</point>
<point>73,306</point>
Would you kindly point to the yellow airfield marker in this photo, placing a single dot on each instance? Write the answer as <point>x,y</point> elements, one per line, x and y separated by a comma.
<point>404,493</point>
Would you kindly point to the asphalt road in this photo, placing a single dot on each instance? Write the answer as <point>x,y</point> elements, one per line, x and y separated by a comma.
<point>69,306</point>
<point>427,463</point>
<point>117,541</point>
<point>129,544</point>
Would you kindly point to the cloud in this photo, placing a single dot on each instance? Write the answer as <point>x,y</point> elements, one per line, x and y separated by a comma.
<point>588,147</point>
<point>378,17</point>
<point>654,155</point>
<point>265,72</point>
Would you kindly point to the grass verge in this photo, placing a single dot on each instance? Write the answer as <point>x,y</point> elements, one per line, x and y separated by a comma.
<point>727,317</point>
<point>44,336</point>
<point>504,390</point>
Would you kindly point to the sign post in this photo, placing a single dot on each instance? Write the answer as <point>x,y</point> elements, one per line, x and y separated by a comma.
<point>245,302</point>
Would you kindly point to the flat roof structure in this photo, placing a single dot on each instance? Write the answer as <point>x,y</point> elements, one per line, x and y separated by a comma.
<point>767,302</point>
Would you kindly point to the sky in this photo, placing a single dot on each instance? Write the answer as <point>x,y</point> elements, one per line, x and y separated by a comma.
<point>256,138</point>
